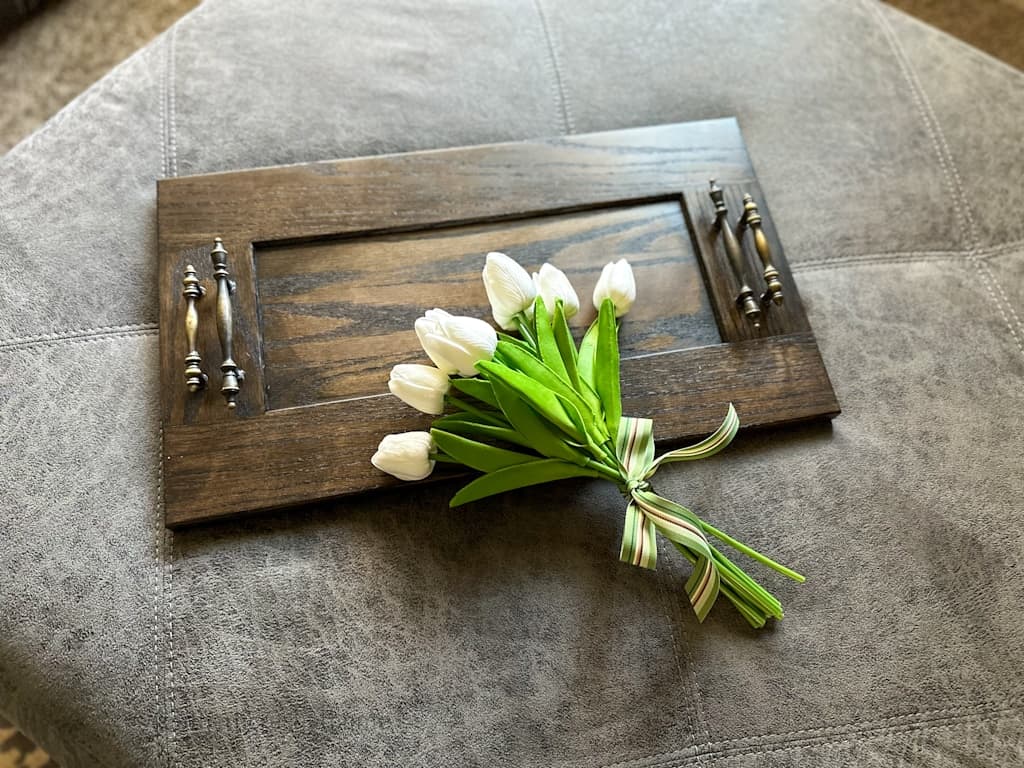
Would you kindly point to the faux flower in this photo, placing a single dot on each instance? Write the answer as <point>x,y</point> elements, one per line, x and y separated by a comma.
<point>455,344</point>
<point>405,455</point>
<point>544,409</point>
<point>421,386</point>
<point>509,288</point>
<point>552,284</point>
<point>616,283</point>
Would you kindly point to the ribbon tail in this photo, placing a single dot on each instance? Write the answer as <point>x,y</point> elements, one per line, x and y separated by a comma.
<point>703,587</point>
<point>681,526</point>
<point>639,542</point>
<point>707,447</point>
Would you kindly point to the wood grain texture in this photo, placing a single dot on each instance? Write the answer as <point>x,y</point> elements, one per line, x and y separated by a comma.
<point>335,260</point>
<point>338,315</point>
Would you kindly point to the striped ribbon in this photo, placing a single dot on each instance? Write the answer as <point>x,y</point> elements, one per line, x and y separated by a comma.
<point>648,513</point>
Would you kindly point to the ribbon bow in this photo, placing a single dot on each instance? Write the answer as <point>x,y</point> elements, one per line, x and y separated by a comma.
<point>648,513</point>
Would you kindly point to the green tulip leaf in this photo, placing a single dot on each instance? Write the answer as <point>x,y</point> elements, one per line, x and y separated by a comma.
<point>540,373</point>
<point>593,429</point>
<point>535,393</point>
<point>566,346</point>
<point>588,350</point>
<point>517,342</point>
<point>476,388</point>
<point>476,455</point>
<point>606,366</point>
<point>465,424</point>
<point>535,432</point>
<point>518,476</point>
<point>546,342</point>
<point>482,415</point>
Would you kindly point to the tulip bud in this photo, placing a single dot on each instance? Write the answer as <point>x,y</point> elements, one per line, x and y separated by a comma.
<point>455,344</point>
<point>405,455</point>
<point>421,386</point>
<point>616,283</point>
<point>552,284</point>
<point>509,289</point>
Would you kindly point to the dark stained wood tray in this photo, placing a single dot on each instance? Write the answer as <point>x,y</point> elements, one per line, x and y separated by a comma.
<point>333,262</point>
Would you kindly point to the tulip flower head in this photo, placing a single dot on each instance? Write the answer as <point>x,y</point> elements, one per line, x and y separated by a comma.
<point>618,284</point>
<point>509,289</point>
<point>405,455</point>
<point>421,386</point>
<point>455,344</point>
<point>552,284</point>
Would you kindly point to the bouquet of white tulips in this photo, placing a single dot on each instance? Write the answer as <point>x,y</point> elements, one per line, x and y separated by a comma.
<point>536,408</point>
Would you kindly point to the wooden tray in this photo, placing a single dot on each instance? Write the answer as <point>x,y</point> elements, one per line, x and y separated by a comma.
<point>335,260</point>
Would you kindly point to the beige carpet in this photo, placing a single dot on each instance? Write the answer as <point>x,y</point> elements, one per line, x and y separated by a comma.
<point>995,26</point>
<point>56,54</point>
<point>64,48</point>
<point>16,751</point>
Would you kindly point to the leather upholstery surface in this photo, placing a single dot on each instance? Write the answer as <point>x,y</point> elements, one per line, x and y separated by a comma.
<point>390,630</point>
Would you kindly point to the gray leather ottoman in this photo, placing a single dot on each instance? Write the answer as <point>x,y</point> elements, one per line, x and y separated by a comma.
<point>892,159</point>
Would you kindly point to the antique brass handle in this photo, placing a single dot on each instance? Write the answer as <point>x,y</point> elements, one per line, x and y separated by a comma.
<point>752,218</point>
<point>745,297</point>
<point>232,375</point>
<point>195,379</point>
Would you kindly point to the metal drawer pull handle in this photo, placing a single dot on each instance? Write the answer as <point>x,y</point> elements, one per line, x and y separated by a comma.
<point>745,298</point>
<point>192,290</point>
<point>233,376</point>
<point>752,218</point>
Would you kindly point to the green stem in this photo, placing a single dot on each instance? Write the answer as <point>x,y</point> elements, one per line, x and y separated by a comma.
<point>526,329</point>
<point>746,587</point>
<point>754,616</point>
<point>608,446</point>
<point>752,553</point>
<point>444,458</point>
<point>750,608</point>
<point>485,417</point>
<point>605,470</point>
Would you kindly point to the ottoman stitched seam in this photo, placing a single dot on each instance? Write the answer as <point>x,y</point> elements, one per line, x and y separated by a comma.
<point>158,588</point>
<point>169,682</point>
<point>939,723</point>
<point>748,744</point>
<point>80,339</point>
<point>51,338</point>
<point>556,63</point>
<point>949,170</point>
<point>691,682</point>
<point>172,127</point>
<point>894,257</point>
<point>916,95</point>
<point>858,261</point>
<point>163,122</point>
<point>170,150</point>
<point>996,251</point>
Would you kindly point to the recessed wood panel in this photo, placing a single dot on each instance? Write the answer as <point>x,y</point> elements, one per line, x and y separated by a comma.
<point>337,315</point>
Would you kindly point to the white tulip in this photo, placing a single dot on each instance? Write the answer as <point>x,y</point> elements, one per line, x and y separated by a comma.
<point>552,284</point>
<point>405,455</point>
<point>421,386</point>
<point>455,344</point>
<point>509,288</point>
<point>618,284</point>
